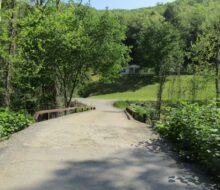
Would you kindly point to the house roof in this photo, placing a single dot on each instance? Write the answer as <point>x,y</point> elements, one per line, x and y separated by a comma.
<point>134,66</point>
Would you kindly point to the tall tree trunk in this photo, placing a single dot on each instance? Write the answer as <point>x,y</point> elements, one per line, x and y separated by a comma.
<point>7,100</point>
<point>179,82</point>
<point>217,80</point>
<point>57,4</point>
<point>41,2</point>
<point>69,90</point>
<point>162,79</point>
<point>12,49</point>
<point>193,88</point>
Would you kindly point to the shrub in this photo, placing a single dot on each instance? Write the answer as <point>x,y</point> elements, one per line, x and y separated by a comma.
<point>195,131</point>
<point>122,104</point>
<point>11,122</point>
<point>143,113</point>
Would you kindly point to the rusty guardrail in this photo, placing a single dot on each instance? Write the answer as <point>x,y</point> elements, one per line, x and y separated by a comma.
<point>54,113</point>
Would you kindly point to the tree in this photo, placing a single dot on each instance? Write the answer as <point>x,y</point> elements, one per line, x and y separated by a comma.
<point>110,54</point>
<point>8,46</point>
<point>170,14</point>
<point>66,46</point>
<point>205,53</point>
<point>162,50</point>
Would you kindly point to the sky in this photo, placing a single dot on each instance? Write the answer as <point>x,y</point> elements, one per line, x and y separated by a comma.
<point>125,4</point>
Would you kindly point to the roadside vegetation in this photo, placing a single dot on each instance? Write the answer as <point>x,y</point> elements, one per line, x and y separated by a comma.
<point>11,122</point>
<point>195,132</point>
<point>193,128</point>
<point>183,107</point>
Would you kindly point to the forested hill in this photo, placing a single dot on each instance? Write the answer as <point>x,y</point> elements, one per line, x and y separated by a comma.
<point>189,17</point>
<point>161,7</point>
<point>50,49</point>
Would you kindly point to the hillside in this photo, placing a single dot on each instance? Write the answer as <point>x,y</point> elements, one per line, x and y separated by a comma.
<point>145,88</point>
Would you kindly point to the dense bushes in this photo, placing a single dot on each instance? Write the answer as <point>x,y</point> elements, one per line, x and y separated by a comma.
<point>195,131</point>
<point>144,110</point>
<point>194,128</point>
<point>142,113</point>
<point>11,122</point>
<point>122,104</point>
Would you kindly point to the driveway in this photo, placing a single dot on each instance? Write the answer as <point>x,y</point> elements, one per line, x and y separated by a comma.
<point>95,150</point>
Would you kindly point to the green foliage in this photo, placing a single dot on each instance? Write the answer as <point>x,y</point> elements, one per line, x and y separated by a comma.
<point>58,51</point>
<point>143,112</point>
<point>11,122</point>
<point>205,52</point>
<point>121,104</point>
<point>55,51</point>
<point>187,17</point>
<point>195,131</point>
<point>160,45</point>
<point>111,52</point>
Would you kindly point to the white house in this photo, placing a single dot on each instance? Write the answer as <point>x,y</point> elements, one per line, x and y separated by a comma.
<point>131,70</point>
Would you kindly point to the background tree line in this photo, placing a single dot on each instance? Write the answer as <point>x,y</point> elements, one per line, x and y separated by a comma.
<point>177,38</point>
<point>49,49</point>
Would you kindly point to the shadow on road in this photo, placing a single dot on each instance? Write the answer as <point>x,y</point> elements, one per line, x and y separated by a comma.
<point>146,166</point>
<point>197,175</point>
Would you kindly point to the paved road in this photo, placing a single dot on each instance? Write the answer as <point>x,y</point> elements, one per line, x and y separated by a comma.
<point>95,150</point>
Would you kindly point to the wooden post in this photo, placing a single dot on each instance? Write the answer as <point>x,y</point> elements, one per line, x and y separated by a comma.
<point>144,118</point>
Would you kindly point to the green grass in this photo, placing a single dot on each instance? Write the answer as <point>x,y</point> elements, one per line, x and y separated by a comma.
<point>145,88</point>
<point>122,104</point>
<point>144,93</point>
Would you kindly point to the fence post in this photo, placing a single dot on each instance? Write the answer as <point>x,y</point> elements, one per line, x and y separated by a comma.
<point>144,118</point>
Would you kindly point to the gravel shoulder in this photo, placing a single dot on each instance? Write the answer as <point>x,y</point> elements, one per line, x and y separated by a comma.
<point>95,150</point>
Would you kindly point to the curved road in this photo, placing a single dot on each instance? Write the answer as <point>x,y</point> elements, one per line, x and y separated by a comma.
<point>95,150</point>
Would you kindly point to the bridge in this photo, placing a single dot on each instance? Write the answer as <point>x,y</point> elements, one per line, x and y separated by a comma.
<point>96,150</point>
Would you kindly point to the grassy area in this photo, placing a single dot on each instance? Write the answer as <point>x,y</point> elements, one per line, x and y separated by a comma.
<point>145,93</point>
<point>145,88</point>
<point>122,104</point>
